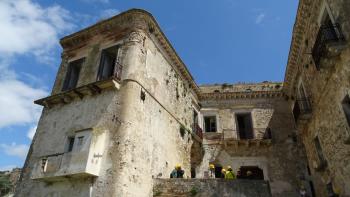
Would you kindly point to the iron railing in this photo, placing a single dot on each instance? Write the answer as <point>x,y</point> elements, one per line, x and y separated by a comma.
<point>302,106</point>
<point>197,130</point>
<point>326,34</point>
<point>263,133</point>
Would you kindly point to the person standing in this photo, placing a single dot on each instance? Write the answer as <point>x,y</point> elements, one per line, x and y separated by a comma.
<point>177,172</point>
<point>230,175</point>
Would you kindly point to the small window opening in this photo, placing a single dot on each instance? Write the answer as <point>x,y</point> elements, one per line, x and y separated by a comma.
<point>80,141</point>
<point>210,123</point>
<point>182,131</point>
<point>108,64</point>
<point>346,108</point>
<point>244,125</point>
<point>43,164</point>
<point>143,95</point>
<point>70,144</point>
<point>72,75</point>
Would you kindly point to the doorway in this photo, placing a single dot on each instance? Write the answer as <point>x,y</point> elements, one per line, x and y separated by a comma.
<point>218,170</point>
<point>244,126</point>
<point>251,172</point>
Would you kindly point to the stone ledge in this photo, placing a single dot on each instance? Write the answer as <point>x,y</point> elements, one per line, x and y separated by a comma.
<point>79,92</point>
<point>211,187</point>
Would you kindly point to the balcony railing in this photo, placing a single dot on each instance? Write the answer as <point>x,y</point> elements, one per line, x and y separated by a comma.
<point>301,108</point>
<point>326,34</point>
<point>197,130</point>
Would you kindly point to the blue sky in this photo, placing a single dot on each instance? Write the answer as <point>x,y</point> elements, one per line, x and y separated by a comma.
<point>224,41</point>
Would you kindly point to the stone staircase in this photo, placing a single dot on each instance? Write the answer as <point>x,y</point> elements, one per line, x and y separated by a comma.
<point>210,188</point>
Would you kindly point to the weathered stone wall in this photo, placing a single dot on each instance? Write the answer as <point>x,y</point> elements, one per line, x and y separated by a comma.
<point>151,144</point>
<point>145,139</point>
<point>326,88</point>
<point>282,160</point>
<point>210,187</point>
<point>55,125</point>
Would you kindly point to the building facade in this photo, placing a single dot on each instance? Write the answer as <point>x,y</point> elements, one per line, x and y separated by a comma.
<point>124,110</point>
<point>317,86</point>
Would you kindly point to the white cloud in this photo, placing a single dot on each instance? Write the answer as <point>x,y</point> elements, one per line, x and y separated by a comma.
<point>26,27</point>
<point>259,18</point>
<point>18,150</point>
<point>16,103</point>
<point>31,132</point>
<point>109,13</point>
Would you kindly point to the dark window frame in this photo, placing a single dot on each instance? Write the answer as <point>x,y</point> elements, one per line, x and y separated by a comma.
<point>240,133</point>
<point>109,66</point>
<point>72,74</point>
<point>70,143</point>
<point>212,127</point>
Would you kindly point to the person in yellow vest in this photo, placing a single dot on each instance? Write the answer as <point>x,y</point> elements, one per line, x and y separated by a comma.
<point>230,175</point>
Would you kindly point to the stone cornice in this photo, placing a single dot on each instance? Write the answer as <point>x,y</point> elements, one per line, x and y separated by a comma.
<point>299,28</point>
<point>241,95</point>
<point>133,19</point>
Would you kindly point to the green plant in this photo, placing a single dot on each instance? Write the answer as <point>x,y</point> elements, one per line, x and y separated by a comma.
<point>157,193</point>
<point>193,191</point>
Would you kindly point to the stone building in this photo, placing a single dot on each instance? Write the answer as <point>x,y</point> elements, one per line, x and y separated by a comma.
<point>124,110</point>
<point>317,85</point>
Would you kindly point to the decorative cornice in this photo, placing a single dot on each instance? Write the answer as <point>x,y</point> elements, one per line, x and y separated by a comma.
<point>299,28</point>
<point>241,95</point>
<point>130,21</point>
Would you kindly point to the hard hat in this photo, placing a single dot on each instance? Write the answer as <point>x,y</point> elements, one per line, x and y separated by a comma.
<point>178,165</point>
<point>211,166</point>
<point>229,168</point>
<point>223,170</point>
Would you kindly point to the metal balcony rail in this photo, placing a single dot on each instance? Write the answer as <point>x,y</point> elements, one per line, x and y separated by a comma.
<point>261,133</point>
<point>197,130</point>
<point>326,34</point>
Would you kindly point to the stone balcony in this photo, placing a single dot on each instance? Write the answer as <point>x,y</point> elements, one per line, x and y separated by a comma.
<point>90,89</point>
<point>84,162</point>
<point>230,137</point>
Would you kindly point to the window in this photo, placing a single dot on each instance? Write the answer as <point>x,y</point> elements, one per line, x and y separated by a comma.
<point>108,63</point>
<point>72,75</point>
<point>303,100</point>
<point>210,123</point>
<point>346,108</point>
<point>328,32</point>
<point>244,126</point>
<point>80,140</point>
<point>43,164</point>
<point>70,144</point>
